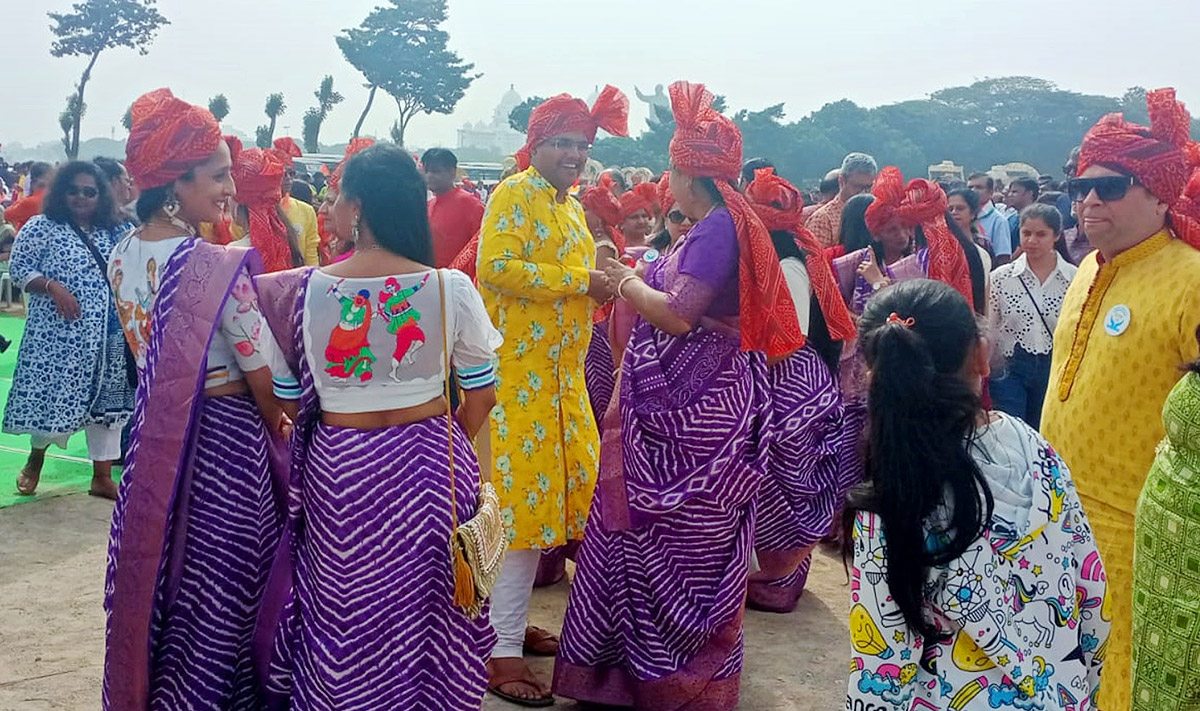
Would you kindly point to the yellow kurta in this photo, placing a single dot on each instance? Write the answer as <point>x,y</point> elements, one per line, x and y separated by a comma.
<point>534,258</point>
<point>304,220</point>
<point>1103,410</point>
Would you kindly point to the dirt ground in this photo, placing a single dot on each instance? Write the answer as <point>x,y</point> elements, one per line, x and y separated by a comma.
<point>52,626</point>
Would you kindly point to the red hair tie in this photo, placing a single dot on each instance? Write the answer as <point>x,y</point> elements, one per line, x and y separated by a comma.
<point>905,322</point>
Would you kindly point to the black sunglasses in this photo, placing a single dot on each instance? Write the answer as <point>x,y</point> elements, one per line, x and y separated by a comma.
<point>87,191</point>
<point>1110,188</point>
<point>676,217</point>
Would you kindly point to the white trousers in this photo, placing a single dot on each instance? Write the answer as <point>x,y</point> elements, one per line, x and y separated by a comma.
<point>103,443</point>
<point>510,601</point>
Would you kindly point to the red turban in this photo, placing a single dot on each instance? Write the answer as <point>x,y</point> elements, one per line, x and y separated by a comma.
<point>565,114</point>
<point>921,202</point>
<point>258,175</point>
<point>779,205</point>
<point>1161,157</point>
<point>634,201</point>
<point>287,150</point>
<point>601,203</point>
<point>708,145</point>
<point>666,199</point>
<point>169,137</point>
<point>356,145</point>
<point>649,192</point>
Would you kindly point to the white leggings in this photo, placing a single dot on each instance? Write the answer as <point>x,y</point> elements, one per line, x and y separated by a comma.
<point>103,443</point>
<point>510,601</point>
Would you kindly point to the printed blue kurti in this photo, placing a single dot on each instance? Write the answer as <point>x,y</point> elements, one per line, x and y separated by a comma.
<point>69,373</point>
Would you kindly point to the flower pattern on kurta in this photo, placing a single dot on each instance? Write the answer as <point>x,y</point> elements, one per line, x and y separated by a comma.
<point>534,257</point>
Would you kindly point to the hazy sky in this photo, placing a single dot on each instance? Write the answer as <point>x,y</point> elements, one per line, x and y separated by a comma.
<point>756,52</point>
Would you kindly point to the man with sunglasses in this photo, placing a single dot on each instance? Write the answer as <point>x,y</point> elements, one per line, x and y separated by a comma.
<point>1128,322</point>
<point>540,284</point>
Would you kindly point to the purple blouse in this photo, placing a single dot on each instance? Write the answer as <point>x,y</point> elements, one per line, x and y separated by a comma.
<point>700,275</point>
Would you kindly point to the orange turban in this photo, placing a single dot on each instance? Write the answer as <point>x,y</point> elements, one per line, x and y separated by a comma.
<point>1161,157</point>
<point>565,114</point>
<point>666,199</point>
<point>779,205</point>
<point>921,202</point>
<point>169,137</point>
<point>708,145</point>
<point>634,201</point>
<point>287,150</point>
<point>600,202</point>
<point>258,175</point>
<point>356,145</point>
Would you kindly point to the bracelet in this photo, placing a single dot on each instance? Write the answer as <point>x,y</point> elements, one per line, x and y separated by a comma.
<point>622,283</point>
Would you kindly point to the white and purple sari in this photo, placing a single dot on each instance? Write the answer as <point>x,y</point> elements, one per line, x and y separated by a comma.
<point>359,611</point>
<point>199,513</point>
<point>655,614</point>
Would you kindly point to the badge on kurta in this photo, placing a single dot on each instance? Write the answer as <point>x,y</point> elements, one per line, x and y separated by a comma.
<point>1117,320</point>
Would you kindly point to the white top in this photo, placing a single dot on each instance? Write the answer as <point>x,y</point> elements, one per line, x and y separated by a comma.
<point>243,341</point>
<point>376,344</point>
<point>796,276</point>
<point>1012,313</point>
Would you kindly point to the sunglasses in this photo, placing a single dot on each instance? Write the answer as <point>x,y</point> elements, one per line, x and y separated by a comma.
<point>1110,188</point>
<point>87,192</point>
<point>566,144</point>
<point>676,217</point>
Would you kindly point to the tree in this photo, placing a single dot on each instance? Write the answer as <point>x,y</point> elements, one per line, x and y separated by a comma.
<point>397,134</point>
<point>93,26</point>
<point>518,118</point>
<point>219,107</point>
<point>68,121</point>
<point>127,119</point>
<point>400,49</point>
<point>327,98</point>
<point>265,135</point>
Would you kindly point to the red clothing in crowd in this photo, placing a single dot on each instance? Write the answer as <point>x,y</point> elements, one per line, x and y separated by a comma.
<point>454,218</point>
<point>24,210</point>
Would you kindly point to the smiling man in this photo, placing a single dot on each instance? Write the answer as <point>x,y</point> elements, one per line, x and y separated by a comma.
<point>537,274</point>
<point>1128,323</point>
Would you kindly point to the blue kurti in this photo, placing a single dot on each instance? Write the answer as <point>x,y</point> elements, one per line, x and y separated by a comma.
<point>69,373</point>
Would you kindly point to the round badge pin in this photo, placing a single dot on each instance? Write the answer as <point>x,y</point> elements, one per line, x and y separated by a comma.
<point>651,256</point>
<point>1117,320</point>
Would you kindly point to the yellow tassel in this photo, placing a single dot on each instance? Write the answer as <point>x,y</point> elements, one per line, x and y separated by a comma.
<point>464,580</point>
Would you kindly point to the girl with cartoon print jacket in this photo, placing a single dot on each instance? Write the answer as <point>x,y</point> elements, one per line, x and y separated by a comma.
<point>976,583</point>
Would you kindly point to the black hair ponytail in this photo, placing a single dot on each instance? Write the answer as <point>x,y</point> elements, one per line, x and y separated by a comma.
<point>916,337</point>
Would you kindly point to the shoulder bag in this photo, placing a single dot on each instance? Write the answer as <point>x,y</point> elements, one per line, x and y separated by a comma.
<point>477,545</point>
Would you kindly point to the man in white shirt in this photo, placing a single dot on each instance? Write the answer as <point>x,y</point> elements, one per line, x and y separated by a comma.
<point>992,223</point>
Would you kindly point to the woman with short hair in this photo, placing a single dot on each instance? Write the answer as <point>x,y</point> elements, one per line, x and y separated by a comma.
<point>71,370</point>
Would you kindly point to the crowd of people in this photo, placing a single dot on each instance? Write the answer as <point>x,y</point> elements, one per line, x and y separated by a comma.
<point>360,434</point>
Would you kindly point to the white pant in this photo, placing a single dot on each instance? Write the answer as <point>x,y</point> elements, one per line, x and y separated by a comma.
<point>103,443</point>
<point>510,601</point>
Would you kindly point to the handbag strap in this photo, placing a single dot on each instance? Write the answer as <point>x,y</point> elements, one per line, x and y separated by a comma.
<point>449,414</point>
<point>1037,308</point>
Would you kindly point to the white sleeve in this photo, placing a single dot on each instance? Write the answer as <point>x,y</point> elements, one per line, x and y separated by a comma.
<point>796,275</point>
<point>473,351</point>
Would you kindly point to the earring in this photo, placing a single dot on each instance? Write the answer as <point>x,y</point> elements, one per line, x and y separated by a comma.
<point>171,206</point>
<point>354,228</point>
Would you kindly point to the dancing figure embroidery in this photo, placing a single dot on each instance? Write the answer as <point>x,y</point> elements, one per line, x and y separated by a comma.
<point>404,322</point>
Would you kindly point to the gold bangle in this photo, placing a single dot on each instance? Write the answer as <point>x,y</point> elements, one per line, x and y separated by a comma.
<point>621,283</point>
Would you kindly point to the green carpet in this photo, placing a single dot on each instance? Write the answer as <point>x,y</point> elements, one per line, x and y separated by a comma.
<point>66,471</point>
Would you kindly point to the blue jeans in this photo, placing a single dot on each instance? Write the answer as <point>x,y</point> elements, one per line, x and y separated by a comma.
<point>1023,388</point>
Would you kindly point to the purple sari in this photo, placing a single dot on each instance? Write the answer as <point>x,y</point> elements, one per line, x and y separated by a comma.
<point>853,376</point>
<point>804,491</point>
<point>359,611</point>
<point>198,517</point>
<point>655,613</point>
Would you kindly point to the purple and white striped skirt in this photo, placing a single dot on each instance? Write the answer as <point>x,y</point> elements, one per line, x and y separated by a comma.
<point>371,624</point>
<point>210,587</point>
<point>802,492</point>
